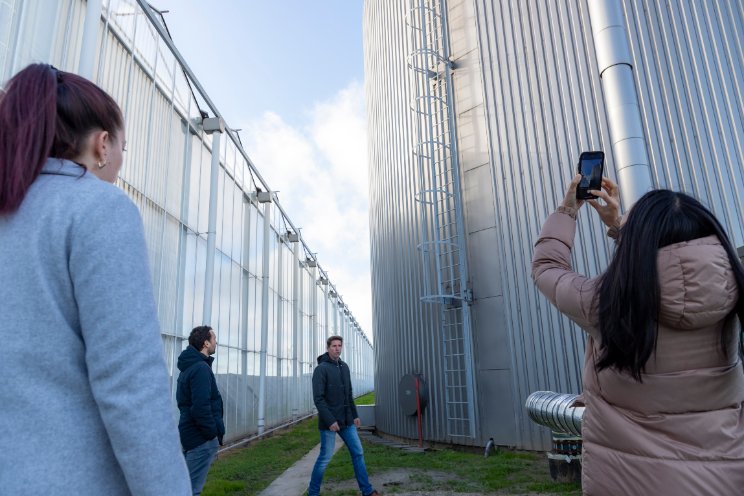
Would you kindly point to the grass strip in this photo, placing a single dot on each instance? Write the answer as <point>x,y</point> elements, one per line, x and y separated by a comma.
<point>367,399</point>
<point>505,472</point>
<point>249,470</point>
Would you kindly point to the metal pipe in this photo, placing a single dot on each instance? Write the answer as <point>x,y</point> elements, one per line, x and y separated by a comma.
<point>296,329</point>
<point>89,43</point>
<point>246,281</point>
<point>302,343</point>
<point>621,101</point>
<point>182,241</point>
<point>314,314</point>
<point>335,314</point>
<point>556,411</point>
<point>264,318</point>
<point>211,229</point>
<point>279,331</point>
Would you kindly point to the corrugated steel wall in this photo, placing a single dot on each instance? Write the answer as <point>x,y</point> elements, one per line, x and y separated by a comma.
<point>408,339</point>
<point>528,101</point>
<point>689,67</point>
<point>543,106</point>
<point>166,173</point>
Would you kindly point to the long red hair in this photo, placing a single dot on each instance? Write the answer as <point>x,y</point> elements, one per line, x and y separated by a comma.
<point>45,113</point>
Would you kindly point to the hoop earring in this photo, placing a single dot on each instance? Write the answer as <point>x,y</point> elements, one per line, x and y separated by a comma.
<point>101,165</point>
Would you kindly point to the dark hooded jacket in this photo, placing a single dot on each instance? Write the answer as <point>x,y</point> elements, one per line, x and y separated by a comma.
<point>332,393</point>
<point>199,400</point>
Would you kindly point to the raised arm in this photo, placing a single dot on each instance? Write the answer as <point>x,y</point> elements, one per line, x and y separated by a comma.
<point>570,292</point>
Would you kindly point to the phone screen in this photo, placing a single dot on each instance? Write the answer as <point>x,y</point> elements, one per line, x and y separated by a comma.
<point>591,168</point>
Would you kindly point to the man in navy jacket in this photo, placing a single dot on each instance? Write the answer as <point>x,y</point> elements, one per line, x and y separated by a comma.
<point>200,403</point>
<point>337,413</point>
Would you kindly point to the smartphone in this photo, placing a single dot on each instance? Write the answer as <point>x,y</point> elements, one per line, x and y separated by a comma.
<point>591,168</point>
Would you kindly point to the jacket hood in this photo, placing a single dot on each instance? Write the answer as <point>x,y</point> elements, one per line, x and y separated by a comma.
<point>696,283</point>
<point>325,357</point>
<point>190,356</point>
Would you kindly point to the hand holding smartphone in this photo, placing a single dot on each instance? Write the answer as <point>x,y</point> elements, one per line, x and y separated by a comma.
<point>591,168</point>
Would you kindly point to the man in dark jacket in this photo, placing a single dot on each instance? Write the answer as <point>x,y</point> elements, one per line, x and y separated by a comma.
<point>200,403</point>
<point>337,413</point>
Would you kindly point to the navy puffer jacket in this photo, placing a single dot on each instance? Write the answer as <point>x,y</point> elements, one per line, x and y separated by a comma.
<point>199,400</point>
<point>332,393</point>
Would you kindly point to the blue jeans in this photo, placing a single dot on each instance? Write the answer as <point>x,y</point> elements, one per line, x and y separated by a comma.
<point>198,460</point>
<point>327,443</point>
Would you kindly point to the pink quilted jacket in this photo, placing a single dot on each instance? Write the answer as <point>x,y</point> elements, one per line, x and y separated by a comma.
<point>681,431</point>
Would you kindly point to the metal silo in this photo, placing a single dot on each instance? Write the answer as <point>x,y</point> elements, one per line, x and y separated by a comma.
<point>658,86</point>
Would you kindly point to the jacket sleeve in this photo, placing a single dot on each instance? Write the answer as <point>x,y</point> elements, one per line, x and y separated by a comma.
<point>220,421</point>
<point>571,293</point>
<point>108,266</point>
<point>319,387</point>
<point>351,394</point>
<point>201,401</point>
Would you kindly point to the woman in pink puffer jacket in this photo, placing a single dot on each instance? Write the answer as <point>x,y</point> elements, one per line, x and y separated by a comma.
<point>663,378</point>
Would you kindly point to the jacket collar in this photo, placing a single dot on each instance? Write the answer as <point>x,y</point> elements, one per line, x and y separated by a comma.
<point>62,167</point>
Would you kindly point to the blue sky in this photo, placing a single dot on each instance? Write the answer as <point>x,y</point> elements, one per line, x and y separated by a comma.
<point>254,56</point>
<point>290,74</point>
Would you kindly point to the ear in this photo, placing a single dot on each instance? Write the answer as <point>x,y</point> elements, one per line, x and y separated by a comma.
<point>101,144</point>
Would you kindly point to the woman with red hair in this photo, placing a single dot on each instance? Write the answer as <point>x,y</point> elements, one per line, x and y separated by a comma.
<point>86,407</point>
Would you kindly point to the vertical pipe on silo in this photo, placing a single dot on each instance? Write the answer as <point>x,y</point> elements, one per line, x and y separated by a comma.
<point>621,101</point>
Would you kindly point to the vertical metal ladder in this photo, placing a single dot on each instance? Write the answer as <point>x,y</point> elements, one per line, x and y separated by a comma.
<point>442,233</point>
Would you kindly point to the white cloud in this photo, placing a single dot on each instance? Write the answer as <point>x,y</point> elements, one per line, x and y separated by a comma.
<point>320,171</point>
<point>339,129</point>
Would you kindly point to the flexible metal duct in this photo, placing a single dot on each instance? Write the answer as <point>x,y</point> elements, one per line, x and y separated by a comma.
<point>554,410</point>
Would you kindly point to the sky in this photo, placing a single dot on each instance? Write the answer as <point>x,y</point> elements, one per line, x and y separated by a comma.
<point>290,74</point>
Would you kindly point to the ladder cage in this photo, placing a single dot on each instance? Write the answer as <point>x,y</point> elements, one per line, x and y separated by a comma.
<point>442,245</point>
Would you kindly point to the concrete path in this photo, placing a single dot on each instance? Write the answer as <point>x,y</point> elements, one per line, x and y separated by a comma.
<point>294,480</point>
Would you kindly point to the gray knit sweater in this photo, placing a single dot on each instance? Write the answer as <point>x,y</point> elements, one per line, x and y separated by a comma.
<point>84,404</point>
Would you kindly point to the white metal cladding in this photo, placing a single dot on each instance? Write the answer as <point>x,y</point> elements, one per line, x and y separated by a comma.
<point>529,99</point>
<point>166,173</point>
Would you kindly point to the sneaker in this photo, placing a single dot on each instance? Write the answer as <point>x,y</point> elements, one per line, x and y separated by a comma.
<point>374,493</point>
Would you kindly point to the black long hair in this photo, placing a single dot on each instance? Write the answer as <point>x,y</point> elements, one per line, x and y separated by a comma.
<point>629,291</point>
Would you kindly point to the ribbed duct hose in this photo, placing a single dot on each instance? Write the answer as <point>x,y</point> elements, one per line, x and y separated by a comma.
<point>554,410</point>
